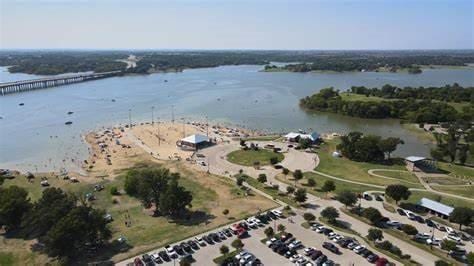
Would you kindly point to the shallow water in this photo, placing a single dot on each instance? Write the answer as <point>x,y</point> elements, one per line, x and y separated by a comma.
<point>34,136</point>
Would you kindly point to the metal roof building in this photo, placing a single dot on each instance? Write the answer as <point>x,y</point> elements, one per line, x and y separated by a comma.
<point>436,207</point>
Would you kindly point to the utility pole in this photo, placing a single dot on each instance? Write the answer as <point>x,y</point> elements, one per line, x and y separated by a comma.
<point>159,137</point>
<point>152,115</point>
<point>207,127</point>
<point>184,129</point>
<point>130,117</point>
<point>172,114</point>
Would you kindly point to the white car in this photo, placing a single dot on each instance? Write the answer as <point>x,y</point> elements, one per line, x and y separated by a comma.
<point>359,249</point>
<point>200,241</point>
<point>434,241</point>
<point>241,254</point>
<point>332,235</point>
<point>295,257</point>
<point>449,230</point>
<point>251,223</point>
<point>308,250</point>
<point>453,238</point>
<point>295,244</point>
<point>320,229</point>
<point>301,260</point>
<point>277,213</point>
<point>269,242</point>
<point>155,256</point>
<point>245,258</point>
<point>337,238</point>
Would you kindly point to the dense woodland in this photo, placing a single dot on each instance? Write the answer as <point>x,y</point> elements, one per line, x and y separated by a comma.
<point>57,62</point>
<point>417,110</point>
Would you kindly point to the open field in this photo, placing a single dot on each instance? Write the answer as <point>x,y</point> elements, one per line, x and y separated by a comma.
<point>340,185</point>
<point>456,190</point>
<point>458,171</point>
<point>211,195</point>
<point>249,157</point>
<point>405,175</point>
<point>356,171</point>
<point>444,180</point>
<point>347,96</point>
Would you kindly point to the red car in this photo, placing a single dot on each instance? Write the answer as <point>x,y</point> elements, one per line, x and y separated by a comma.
<point>381,262</point>
<point>138,262</point>
<point>241,233</point>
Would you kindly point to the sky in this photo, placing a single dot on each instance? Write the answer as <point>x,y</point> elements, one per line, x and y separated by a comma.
<point>233,24</point>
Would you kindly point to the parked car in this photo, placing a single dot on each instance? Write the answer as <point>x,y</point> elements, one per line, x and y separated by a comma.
<point>200,241</point>
<point>429,223</point>
<point>164,255</point>
<point>295,244</point>
<point>323,258</point>
<point>137,262</point>
<point>381,262</point>
<point>359,249</point>
<point>401,212</point>
<point>331,247</point>
<point>316,254</point>
<point>277,213</point>
<point>372,258</point>
<point>308,251</point>
<point>378,198</point>
<point>193,244</point>
<point>156,258</point>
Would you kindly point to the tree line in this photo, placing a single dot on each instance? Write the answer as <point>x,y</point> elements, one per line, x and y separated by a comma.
<point>412,110</point>
<point>447,93</point>
<point>367,148</point>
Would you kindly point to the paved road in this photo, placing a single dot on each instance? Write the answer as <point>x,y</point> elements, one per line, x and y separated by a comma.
<point>216,156</point>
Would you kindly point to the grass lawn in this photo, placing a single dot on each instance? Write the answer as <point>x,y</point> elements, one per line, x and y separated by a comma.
<point>347,96</point>
<point>444,180</point>
<point>461,191</point>
<point>275,193</point>
<point>458,171</point>
<point>249,157</point>
<point>211,195</point>
<point>340,185</point>
<point>405,175</point>
<point>356,171</point>
<point>417,195</point>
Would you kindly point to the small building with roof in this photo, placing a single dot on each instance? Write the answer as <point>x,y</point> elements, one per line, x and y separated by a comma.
<point>435,207</point>
<point>193,142</point>
<point>418,163</point>
<point>295,137</point>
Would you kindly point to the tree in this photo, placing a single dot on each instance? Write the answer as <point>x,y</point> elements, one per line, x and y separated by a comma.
<point>72,234</point>
<point>347,198</point>
<point>242,143</point>
<point>300,195</point>
<point>225,211</point>
<point>281,228</point>
<point>470,258</point>
<point>262,178</point>
<point>375,234</point>
<point>174,200</point>
<point>330,213</point>
<point>311,182</point>
<point>372,214</point>
<point>14,204</point>
<point>273,160</point>
<point>240,180</point>
<point>297,175</point>
<point>285,171</point>
<point>462,153</point>
<point>462,216</point>
<point>224,250</point>
<point>397,192</point>
<point>305,143</point>
<point>328,186</point>
<point>269,232</point>
<point>309,217</point>
<point>290,189</point>
<point>53,205</point>
<point>448,245</point>
<point>389,145</point>
<point>409,229</point>
<point>237,244</point>
<point>114,191</point>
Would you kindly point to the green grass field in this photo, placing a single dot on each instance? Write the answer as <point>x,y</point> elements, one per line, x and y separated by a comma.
<point>249,157</point>
<point>347,96</point>
<point>356,171</point>
<point>455,190</point>
<point>405,175</point>
<point>458,171</point>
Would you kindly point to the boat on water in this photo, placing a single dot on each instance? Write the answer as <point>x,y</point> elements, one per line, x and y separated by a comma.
<point>21,104</point>
<point>68,123</point>
<point>70,113</point>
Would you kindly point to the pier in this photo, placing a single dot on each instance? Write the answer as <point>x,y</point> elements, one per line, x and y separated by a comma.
<point>34,84</point>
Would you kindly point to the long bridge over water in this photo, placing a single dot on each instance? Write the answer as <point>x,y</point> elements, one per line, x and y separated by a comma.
<point>34,84</point>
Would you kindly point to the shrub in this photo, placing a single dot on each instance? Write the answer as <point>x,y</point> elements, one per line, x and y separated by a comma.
<point>386,245</point>
<point>262,178</point>
<point>273,160</point>
<point>311,182</point>
<point>114,191</point>
<point>290,190</point>
<point>237,244</point>
<point>225,212</point>
<point>309,217</point>
<point>224,249</point>
<point>269,232</point>
<point>409,229</point>
<point>372,214</point>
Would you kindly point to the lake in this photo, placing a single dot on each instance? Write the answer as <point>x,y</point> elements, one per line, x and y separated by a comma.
<point>34,136</point>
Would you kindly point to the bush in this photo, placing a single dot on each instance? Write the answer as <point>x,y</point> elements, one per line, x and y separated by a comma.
<point>385,245</point>
<point>273,160</point>
<point>114,191</point>
<point>290,189</point>
<point>224,249</point>
<point>372,214</point>
<point>311,182</point>
<point>309,217</point>
<point>409,229</point>
<point>269,232</point>
<point>225,212</point>
<point>237,244</point>
<point>240,180</point>
<point>285,171</point>
<point>262,178</point>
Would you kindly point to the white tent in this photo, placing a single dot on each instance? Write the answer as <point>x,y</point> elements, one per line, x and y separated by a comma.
<point>195,139</point>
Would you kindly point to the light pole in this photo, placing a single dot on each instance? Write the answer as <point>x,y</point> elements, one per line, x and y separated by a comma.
<point>207,127</point>
<point>172,114</point>
<point>184,129</point>
<point>159,137</point>
<point>130,117</point>
<point>152,115</point>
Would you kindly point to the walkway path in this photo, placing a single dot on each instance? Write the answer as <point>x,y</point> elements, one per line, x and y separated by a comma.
<point>371,172</point>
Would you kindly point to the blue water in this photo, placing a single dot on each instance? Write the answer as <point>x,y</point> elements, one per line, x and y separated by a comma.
<point>34,136</point>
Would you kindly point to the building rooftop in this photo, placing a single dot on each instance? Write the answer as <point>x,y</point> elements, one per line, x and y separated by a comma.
<point>436,206</point>
<point>415,158</point>
<point>195,139</point>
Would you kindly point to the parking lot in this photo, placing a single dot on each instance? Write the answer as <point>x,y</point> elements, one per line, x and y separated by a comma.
<point>252,243</point>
